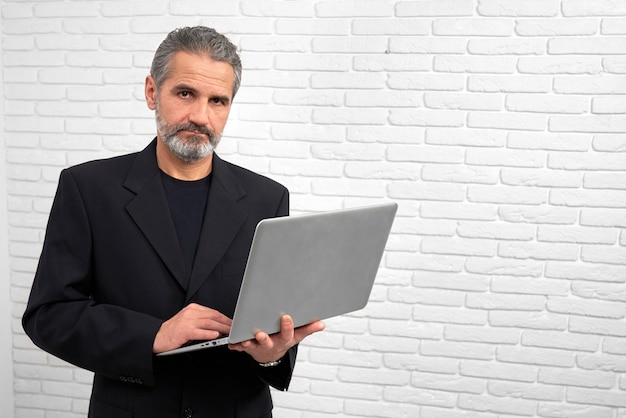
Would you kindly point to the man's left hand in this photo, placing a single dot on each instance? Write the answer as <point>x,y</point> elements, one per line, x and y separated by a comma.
<point>266,348</point>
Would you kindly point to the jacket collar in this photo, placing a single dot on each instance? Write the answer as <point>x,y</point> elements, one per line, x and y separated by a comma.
<point>150,211</point>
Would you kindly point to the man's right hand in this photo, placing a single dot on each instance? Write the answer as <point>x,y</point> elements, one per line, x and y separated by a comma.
<point>193,323</point>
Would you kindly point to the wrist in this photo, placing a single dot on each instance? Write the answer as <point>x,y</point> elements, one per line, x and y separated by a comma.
<point>271,363</point>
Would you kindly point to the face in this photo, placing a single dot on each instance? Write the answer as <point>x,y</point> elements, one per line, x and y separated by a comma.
<point>192,105</point>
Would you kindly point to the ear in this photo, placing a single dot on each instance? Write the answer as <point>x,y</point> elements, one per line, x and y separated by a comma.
<point>151,92</point>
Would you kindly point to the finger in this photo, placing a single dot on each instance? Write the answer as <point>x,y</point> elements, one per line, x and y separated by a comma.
<point>286,328</point>
<point>304,331</point>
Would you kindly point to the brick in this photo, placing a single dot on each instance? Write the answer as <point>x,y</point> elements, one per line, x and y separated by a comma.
<point>593,46</point>
<point>458,246</point>
<point>591,198</point>
<point>505,158</point>
<point>603,217</point>
<point>434,191</point>
<point>472,27</point>
<point>576,378</point>
<point>608,105</point>
<point>314,63</point>
<point>373,80</point>
<point>575,64</point>
<point>481,334</point>
<point>540,178</point>
<point>601,309</point>
<point>607,362</point>
<point>583,161</point>
<point>369,408</point>
<point>593,8</point>
<point>391,62</point>
<point>349,391</point>
<point>531,286</point>
<point>505,302</point>
<point>592,272</point>
<point>614,64</point>
<point>498,371</point>
<point>583,235</point>
<point>426,117</point>
<point>466,137</point>
<point>55,9</point>
<point>506,46</point>
<point>536,356</point>
<point>464,211</point>
<point>435,8</point>
<point>552,339</point>
<point>448,383</point>
<point>596,397</point>
<point>474,64</point>
<point>598,326</point>
<point>556,27</point>
<point>287,44</point>
<point>605,181</point>
<point>508,84</point>
<point>424,397</point>
<point>349,116</point>
<point>449,315</point>
<point>461,281</point>
<point>529,320</point>
<point>538,215</point>
<point>425,297</point>
<point>548,141</point>
<point>462,101</point>
<point>506,195</point>
<point>495,231</point>
<point>526,391</point>
<point>391,328</point>
<point>335,27</point>
<point>412,362</point>
<point>542,104</point>
<point>538,251</point>
<point>419,45</point>
<point>426,82</point>
<point>613,26</point>
<point>352,8</point>
<point>396,98</point>
<point>351,45</point>
<point>386,27</point>
<point>563,410</point>
<point>514,8</point>
<point>459,174</point>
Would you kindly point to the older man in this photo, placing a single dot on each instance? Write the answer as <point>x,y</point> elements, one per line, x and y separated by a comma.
<point>146,252</point>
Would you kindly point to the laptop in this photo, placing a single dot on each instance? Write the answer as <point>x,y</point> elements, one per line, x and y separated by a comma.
<point>313,266</point>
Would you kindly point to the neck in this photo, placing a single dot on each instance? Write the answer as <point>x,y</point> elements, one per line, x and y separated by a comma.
<point>174,167</point>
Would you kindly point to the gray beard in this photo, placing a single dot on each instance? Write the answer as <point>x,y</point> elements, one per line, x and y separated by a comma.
<point>194,147</point>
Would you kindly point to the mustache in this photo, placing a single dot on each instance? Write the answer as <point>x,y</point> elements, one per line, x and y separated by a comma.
<point>197,128</point>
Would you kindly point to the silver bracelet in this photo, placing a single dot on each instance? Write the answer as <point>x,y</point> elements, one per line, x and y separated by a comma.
<point>270,363</point>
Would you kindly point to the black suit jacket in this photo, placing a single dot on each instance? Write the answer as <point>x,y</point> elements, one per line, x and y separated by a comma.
<point>111,271</point>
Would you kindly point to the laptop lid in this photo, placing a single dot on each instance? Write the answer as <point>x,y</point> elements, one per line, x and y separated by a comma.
<point>310,267</point>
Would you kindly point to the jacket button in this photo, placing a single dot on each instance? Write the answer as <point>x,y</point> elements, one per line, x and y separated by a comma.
<point>188,413</point>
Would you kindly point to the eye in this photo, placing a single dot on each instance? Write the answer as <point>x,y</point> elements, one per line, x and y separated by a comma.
<point>184,94</point>
<point>217,101</point>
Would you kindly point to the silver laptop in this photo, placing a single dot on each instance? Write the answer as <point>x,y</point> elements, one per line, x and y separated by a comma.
<point>310,267</point>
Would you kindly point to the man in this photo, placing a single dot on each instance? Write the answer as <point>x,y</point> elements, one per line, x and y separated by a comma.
<point>146,252</point>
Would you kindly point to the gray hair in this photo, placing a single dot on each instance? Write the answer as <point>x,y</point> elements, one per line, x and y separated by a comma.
<point>199,40</point>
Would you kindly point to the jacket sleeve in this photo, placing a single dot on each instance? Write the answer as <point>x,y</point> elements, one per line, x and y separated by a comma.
<point>61,316</point>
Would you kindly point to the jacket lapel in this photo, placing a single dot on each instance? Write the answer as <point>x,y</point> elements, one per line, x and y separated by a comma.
<point>222,220</point>
<point>150,211</point>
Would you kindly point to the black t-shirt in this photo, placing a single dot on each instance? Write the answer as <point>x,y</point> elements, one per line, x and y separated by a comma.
<point>187,201</point>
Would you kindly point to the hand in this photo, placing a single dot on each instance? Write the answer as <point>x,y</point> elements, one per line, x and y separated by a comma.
<point>265,348</point>
<point>194,322</point>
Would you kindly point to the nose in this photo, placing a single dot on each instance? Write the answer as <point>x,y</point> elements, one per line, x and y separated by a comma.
<point>199,114</point>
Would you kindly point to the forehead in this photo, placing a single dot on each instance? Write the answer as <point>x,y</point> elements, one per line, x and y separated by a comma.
<point>201,72</point>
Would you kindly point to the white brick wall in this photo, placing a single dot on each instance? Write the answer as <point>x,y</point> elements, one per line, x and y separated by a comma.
<point>499,126</point>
